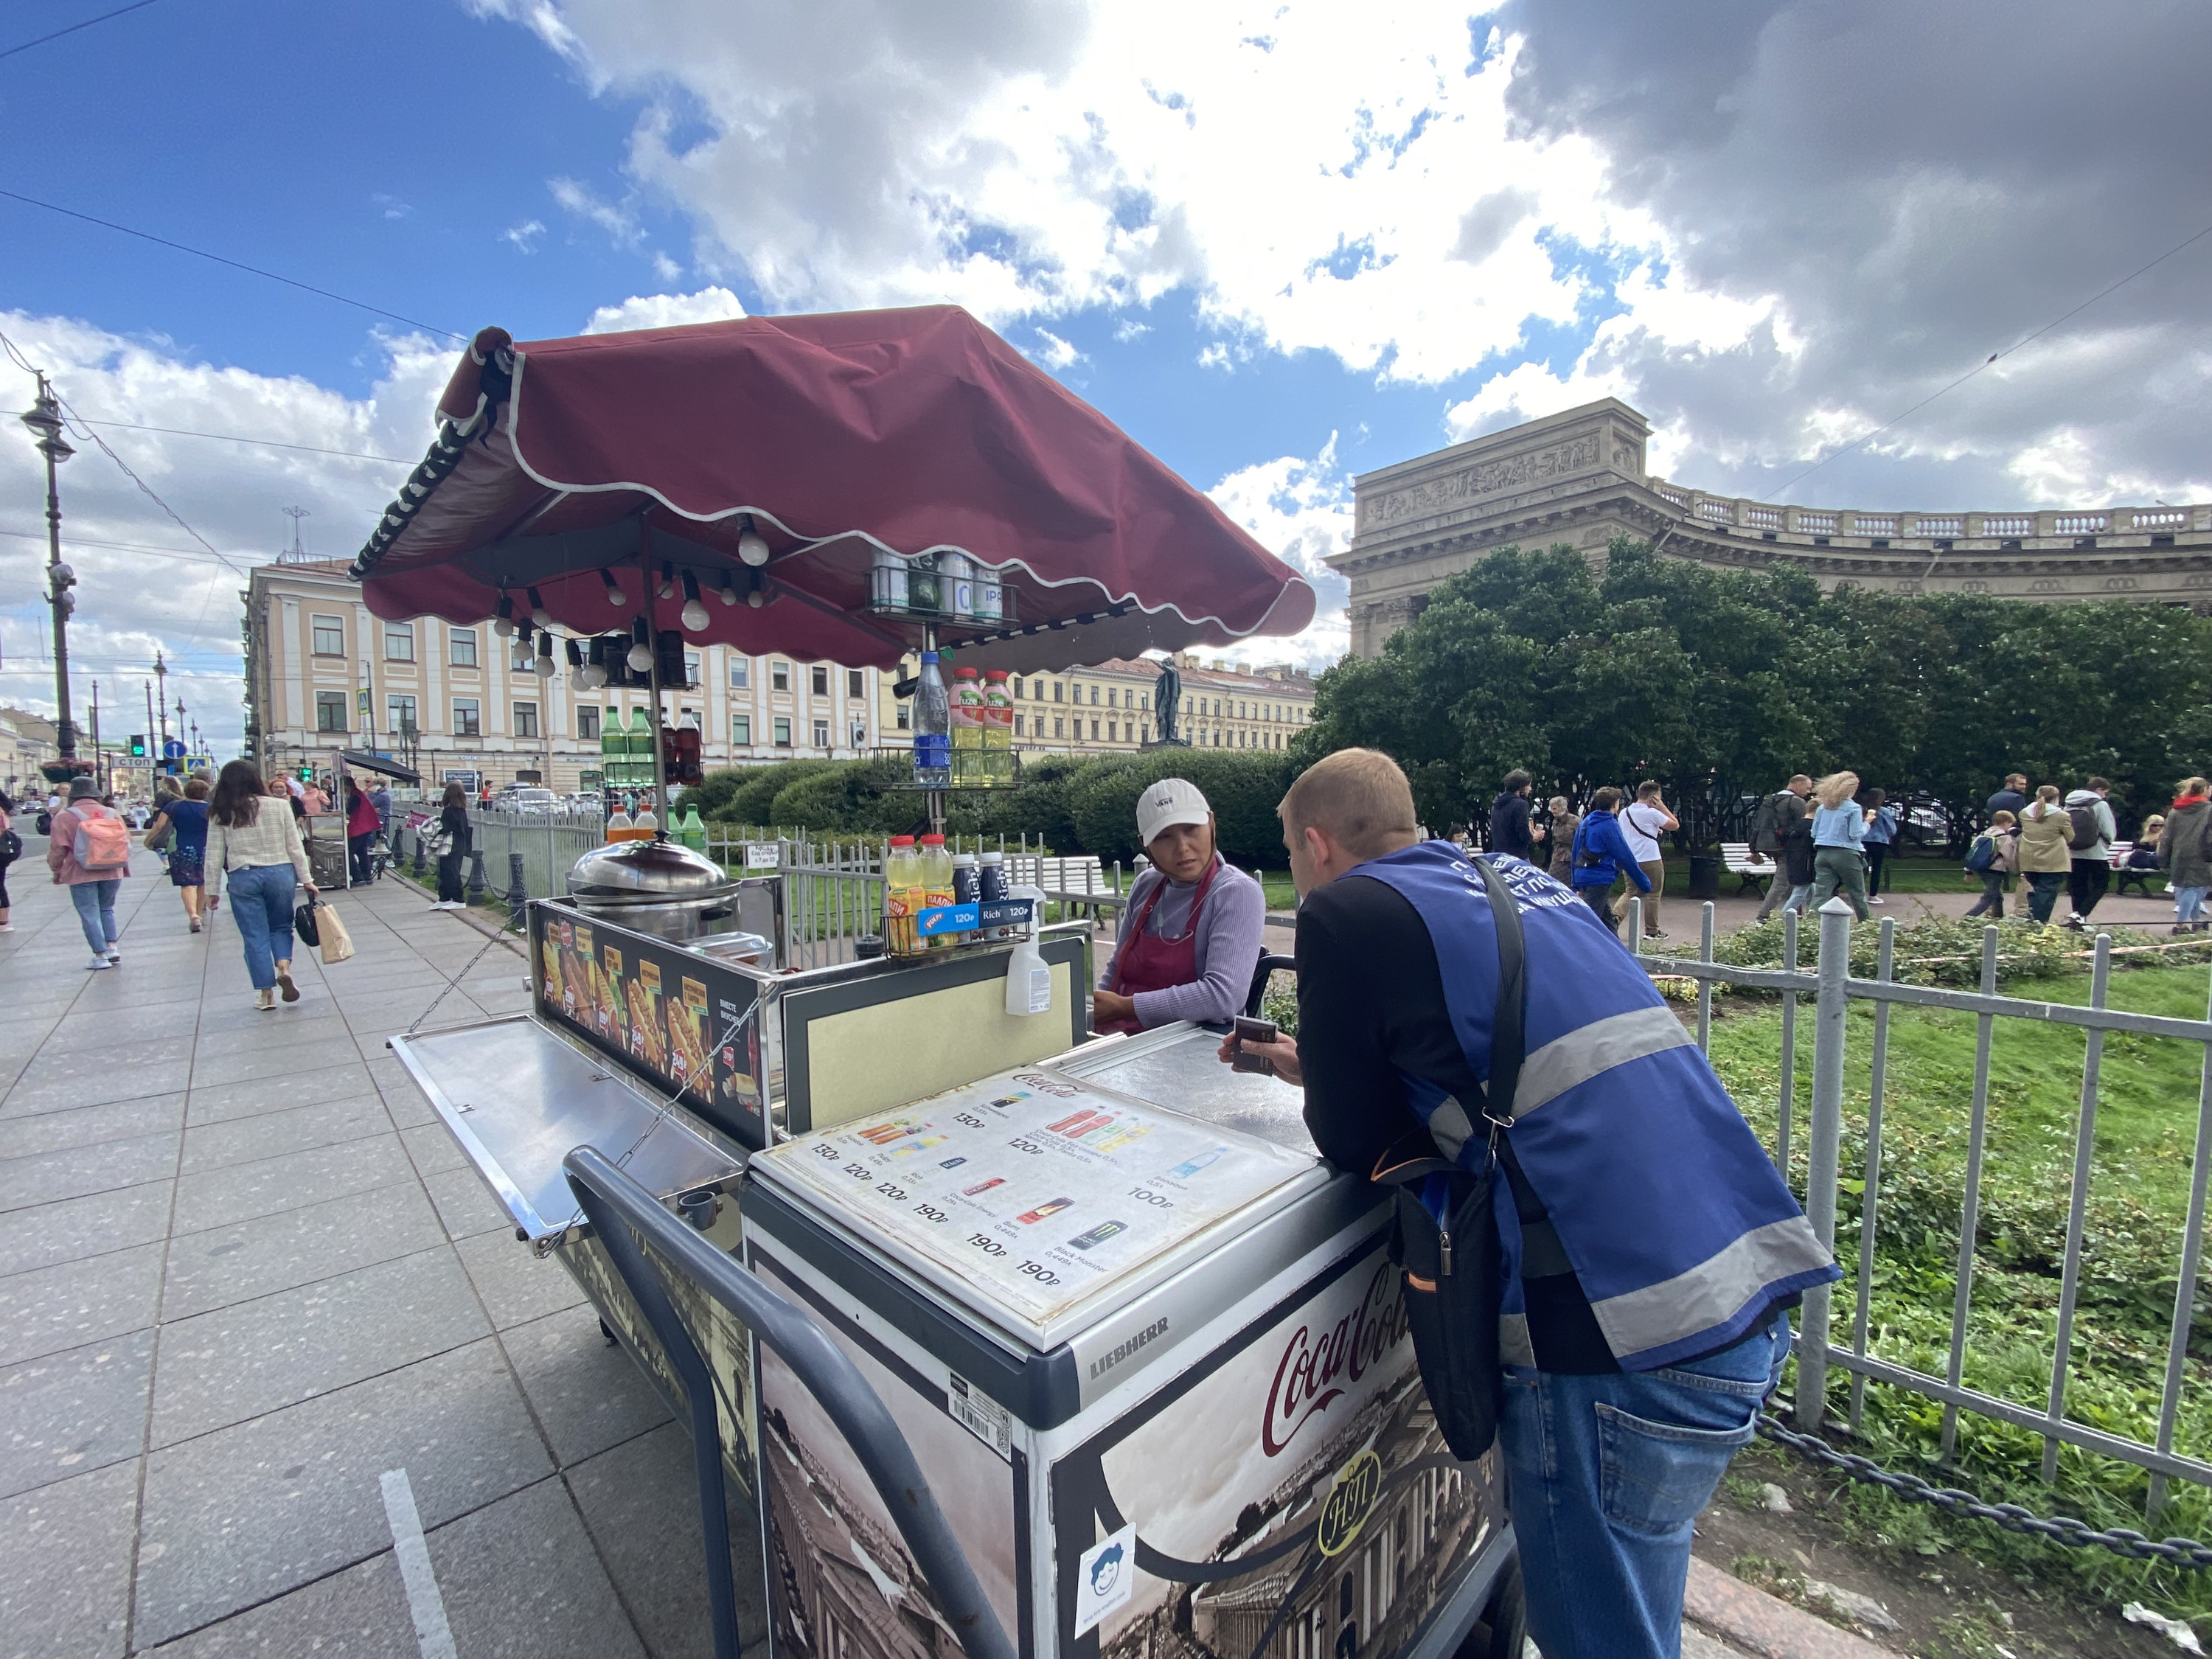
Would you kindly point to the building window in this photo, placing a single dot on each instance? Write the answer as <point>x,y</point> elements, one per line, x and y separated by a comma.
<point>821,734</point>
<point>461,647</point>
<point>330,711</point>
<point>1113,732</point>
<point>400,713</point>
<point>855,686</point>
<point>1059,726</point>
<point>779,677</point>
<point>1059,692</point>
<point>466,721</point>
<point>741,673</point>
<point>587,723</point>
<point>525,719</point>
<point>1018,725</point>
<point>1094,726</point>
<point>329,637</point>
<point>820,680</point>
<point>690,668</point>
<point>398,642</point>
<point>905,717</point>
<point>741,728</point>
<point>782,732</point>
<point>1143,700</point>
<point>1016,686</point>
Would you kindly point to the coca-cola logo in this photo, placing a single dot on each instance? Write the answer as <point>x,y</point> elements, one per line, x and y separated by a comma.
<point>1317,1366</point>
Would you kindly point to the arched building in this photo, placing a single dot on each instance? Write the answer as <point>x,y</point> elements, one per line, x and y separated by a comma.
<point>1578,477</point>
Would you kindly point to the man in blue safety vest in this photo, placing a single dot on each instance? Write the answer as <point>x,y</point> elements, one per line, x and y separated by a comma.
<point>1650,1250</point>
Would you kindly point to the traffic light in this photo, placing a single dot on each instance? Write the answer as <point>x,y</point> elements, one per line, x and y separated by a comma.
<point>138,746</point>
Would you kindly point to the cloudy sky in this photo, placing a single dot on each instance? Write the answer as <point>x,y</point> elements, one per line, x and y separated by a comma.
<point>1280,245</point>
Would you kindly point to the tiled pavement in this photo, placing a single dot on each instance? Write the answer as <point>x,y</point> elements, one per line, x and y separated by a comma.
<point>243,1274</point>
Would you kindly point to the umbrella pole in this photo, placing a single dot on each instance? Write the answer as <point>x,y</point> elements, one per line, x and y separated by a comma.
<point>653,682</point>
<point>935,798</point>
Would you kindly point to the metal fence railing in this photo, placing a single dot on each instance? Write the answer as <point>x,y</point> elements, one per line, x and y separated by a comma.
<point>550,842</point>
<point>1832,989</point>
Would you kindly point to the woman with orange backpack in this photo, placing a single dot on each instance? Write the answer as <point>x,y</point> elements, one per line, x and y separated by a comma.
<point>89,853</point>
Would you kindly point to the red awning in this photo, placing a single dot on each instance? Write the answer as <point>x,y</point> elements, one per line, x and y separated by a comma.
<point>837,439</point>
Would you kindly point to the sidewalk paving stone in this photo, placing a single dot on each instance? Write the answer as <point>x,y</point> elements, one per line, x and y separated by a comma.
<point>51,1309</point>
<point>242,1361</point>
<point>251,1511</point>
<point>65,1567</point>
<point>343,1080</point>
<point>45,1234</point>
<point>520,1577</point>
<point>248,1139</point>
<point>250,1061</point>
<point>588,1393</point>
<point>465,1205</point>
<point>272,1253</point>
<point>70,1412</point>
<point>73,1171</point>
<point>517,1287</point>
<point>90,1126</point>
<point>359,1613</point>
<point>433,1150</point>
<point>33,1094</point>
<point>289,1181</point>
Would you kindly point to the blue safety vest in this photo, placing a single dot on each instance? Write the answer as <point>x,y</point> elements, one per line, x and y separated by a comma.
<point>1680,1229</point>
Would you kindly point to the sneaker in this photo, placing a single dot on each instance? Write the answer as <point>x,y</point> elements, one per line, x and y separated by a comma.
<point>265,1002</point>
<point>284,984</point>
<point>98,963</point>
<point>114,956</point>
<point>196,928</point>
<point>1873,900</point>
<point>7,927</point>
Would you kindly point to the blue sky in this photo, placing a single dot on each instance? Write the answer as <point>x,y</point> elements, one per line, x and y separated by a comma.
<point>1280,244</point>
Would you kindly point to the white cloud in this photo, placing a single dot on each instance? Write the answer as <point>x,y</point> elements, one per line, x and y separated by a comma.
<point>708,305</point>
<point>619,222</point>
<point>1054,353</point>
<point>525,236</point>
<point>1300,510</point>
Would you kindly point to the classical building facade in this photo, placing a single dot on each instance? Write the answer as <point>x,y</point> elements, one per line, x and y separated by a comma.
<point>1578,477</point>
<point>1108,707</point>
<point>321,673</point>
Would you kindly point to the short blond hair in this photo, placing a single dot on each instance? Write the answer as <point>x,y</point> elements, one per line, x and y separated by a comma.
<point>1357,797</point>
<point>1837,789</point>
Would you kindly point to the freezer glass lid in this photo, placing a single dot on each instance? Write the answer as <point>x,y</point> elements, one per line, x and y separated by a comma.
<point>1037,1190</point>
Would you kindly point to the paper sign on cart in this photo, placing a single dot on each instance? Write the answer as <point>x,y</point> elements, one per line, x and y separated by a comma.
<point>1104,1579</point>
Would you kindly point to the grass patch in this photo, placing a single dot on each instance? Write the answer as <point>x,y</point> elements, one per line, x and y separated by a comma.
<point>2138,1204</point>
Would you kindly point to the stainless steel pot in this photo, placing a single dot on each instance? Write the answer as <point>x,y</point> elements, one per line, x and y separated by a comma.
<point>658,887</point>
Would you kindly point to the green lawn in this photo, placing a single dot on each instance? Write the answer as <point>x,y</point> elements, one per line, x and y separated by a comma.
<point>2139,1197</point>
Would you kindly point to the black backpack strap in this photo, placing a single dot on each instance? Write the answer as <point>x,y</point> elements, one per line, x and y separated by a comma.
<point>1508,1023</point>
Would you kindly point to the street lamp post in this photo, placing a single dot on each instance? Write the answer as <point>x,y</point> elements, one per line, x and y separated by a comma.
<point>45,420</point>
<point>161,705</point>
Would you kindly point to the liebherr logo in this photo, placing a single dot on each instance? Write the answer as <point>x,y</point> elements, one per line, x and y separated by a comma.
<point>1115,1356</point>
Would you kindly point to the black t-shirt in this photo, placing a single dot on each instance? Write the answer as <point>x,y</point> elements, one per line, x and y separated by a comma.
<point>1370,1007</point>
<point>1509,826</point>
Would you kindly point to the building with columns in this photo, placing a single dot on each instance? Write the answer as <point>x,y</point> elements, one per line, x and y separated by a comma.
<point>322,673</point>
<point>1578,477</point>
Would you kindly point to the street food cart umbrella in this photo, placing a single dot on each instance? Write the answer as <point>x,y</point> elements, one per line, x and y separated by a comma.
<point>777,462</point>
<point>362,760</point>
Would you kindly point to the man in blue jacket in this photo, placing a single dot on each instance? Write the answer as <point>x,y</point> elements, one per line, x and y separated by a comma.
<point>1602,855</point>
<point>1650,1248</point>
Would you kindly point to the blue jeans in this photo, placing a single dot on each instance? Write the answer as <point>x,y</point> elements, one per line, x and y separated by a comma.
<point>1606,1474</point>
<point>96,912</point>
<point>2188,905</point>
<point>261,903</point>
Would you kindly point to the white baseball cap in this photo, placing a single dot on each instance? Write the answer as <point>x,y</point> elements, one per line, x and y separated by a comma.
<point>1168,803</point>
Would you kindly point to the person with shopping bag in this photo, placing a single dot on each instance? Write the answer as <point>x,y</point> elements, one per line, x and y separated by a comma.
<point>89,854</point>
<point>253,849</point>
<point>1620,1310</point>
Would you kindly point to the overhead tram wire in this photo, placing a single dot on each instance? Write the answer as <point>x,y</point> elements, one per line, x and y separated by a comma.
<point>1992,358</point>
<point>136,5</point>
<point>265,443</point>
<point>236,264</point>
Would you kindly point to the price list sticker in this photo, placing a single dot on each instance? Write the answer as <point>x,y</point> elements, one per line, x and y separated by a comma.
<point>1038,1188</point>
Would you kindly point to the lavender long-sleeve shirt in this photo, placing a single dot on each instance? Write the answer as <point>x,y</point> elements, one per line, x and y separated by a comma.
<point>1228,944</point>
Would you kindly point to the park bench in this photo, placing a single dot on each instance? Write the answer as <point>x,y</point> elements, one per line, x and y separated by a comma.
<point>1751,870</point>
<point>2122,876</point>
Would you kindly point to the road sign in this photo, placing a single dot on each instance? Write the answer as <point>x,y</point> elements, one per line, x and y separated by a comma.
<point>173,750</point>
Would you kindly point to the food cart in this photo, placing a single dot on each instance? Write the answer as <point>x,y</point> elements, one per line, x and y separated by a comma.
<point>1015,1341</point>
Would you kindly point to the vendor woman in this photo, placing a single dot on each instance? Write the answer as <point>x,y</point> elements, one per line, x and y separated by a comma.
<point>1190,934</point>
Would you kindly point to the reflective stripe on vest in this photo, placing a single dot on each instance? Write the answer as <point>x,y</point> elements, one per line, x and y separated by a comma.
<point>1680,1230</point>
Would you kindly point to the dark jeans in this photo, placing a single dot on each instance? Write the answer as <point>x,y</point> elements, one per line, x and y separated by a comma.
<point>1991,902</point>
<point>2087,882</point>
<point>1599,899</point>
<point>449,877</point>
<point>2043,888</point>
<point>357,855</point>
<point>1875,852</point>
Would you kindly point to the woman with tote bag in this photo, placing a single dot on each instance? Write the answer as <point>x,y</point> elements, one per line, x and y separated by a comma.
<point>254,847</point>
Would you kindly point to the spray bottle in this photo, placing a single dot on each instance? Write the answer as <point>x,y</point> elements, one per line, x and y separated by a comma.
<point>1029,977</point>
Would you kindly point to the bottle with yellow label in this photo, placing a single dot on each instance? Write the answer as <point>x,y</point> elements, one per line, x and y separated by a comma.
<point>935,883</point>
<point>903,896</point>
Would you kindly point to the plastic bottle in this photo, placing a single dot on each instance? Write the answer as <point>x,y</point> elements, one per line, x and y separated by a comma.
<point>1028,978</point>
<point>966,885</point>
<point>968,722</point>
<point>618,823</point>
<point>936,882</point>
<point>998,729</point>
<point>638,747</point>
<point>991,886</point>
<point>888,585</point>
<point>692,832</point>
<point>902,896</point>
<point>990,595</point>
<point>956,584</point>
<point>610,749</point>
<point>647,818</point>
<point>933,728</point>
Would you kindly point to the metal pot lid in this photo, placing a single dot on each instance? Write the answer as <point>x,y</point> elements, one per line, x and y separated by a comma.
<point>647,869</point>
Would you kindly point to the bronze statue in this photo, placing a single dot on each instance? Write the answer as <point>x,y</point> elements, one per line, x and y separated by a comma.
<point>1167,703</point>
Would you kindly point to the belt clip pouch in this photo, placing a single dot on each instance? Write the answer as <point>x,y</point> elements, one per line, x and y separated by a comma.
<point>1453,1294</point>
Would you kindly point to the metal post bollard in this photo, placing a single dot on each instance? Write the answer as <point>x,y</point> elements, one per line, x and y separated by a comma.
<point>1823,1154</point>
<point>476,885</point>
<point>518,896</point>
<point>421,867</point>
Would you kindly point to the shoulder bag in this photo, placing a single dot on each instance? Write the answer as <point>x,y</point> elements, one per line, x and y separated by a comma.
<point>1445,1242</point>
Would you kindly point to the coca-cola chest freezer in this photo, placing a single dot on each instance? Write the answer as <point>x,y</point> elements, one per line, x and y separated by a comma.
<point>1151,1359</point>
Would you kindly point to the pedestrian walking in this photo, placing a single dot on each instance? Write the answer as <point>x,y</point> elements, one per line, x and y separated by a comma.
<point>1880,834</point>
<point>2091,833</point>
<point>253,847</point>
<point>1994,856</point>
<point>1601,857</point>
<point>453,846</point>
<point>1509,829</point>
<point>1657,1251</point>
<point>1564,823</point>
<point>2012,798</point>
<point>314,801</point>
<point>1642,825</point>
<point>181,828</point>
<point>2044,858</point>
<point>1839,828</point>
<point>360,832</point>
<point>380,797</point>
<point>2184,852</point>
<point>89,854</point>
<point>11,849</point>
<point>1784,831</point>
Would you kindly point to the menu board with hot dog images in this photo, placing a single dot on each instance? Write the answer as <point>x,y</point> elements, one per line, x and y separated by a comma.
<point>1037,1187</point>
<point>674,1018</point>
